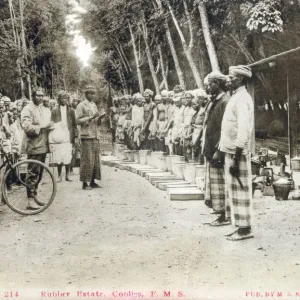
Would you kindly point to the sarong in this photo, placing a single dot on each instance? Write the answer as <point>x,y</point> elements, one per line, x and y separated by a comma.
<point>61,153</point>
<point>90,166</point>
<point>136,136</point>
<point>215,187</point>
<point>239,199</point>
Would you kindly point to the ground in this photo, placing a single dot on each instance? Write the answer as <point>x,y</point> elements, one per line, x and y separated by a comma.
<point>128,237</point>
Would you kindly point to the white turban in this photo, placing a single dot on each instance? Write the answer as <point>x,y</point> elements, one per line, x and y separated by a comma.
<point>240,71</point>
<point>5,99</point>
<point>216,75</point>
<point>189,93</point>
<point>164,93</point>
<point>139,96</point>
<point>149,92</point>
<point>199,93</point>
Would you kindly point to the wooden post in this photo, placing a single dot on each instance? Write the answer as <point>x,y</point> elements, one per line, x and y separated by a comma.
<point>292,96</point>
<point>251,90</point>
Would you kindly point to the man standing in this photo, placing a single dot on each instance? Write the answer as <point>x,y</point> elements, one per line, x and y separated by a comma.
<point>236,136</point>
<point>89,119</point>
<point>66,129</point>
<point>215,185</point>
<point>148,115</point>
<point>177,124</point>
<point>114,115</point>
<point>167,132</point>
<point>36,122</point>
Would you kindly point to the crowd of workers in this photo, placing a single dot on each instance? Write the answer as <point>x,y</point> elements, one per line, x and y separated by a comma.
<point>212,126</point>
<point>65,130</point>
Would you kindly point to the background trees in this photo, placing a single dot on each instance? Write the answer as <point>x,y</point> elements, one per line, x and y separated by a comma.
<point>35,48</point>
<point>161,43</point>
<point>140,43</point>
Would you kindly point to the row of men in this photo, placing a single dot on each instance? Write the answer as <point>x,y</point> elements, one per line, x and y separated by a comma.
<point>216,124</point>
<point>170,123</point>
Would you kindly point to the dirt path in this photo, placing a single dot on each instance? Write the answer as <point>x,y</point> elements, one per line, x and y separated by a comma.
<point>128,237</point>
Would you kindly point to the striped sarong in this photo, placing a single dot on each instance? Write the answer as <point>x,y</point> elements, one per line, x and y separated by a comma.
<point>239,199</point>
<point>90,166</point>
<point>215,187</point>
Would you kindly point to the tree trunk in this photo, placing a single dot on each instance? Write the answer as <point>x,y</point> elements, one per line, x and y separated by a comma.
<point>138,69</point>
<point>149,56</point>
<point>123,56</point>
<point>172,48</point>
<point>207,37</point>
<point>16,40</point>
<point>187,49</point>
<point>195,71</point>
<point>163,70</point>
<point>24,48</point>
<point>175,57</point>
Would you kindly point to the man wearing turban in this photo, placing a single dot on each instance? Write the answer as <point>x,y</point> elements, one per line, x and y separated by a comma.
<point>149,106</point>
<point>89,119</point>
<point>235,142</point>
<point>215,183</point>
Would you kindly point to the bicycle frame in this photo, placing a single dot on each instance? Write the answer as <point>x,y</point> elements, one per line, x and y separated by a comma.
<point>7,162</point>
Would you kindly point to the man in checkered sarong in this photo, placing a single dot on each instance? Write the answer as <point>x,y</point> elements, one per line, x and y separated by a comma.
<point>215,182</point>
<point>236,136</point>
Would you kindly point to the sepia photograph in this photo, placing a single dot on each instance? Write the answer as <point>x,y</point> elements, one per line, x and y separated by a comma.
<point>150,149</point>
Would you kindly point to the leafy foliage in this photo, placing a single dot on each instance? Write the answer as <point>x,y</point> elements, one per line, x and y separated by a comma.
<point>265,17</point>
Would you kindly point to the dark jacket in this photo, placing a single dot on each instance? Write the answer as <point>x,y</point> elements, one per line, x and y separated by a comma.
<point>213,125</point>
<point>71,120</point>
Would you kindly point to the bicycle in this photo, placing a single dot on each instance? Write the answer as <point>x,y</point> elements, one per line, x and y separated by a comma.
<point>14,185</point>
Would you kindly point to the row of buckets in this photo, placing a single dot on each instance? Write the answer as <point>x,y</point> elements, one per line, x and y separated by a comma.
<point>191,172</point>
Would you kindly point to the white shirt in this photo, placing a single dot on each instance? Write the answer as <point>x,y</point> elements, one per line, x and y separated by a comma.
<point>238,123</point>
<point>137,116</point>
<point>63,112</point>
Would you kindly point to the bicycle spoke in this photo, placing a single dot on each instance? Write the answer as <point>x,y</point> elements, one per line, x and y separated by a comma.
<point>21,181</point>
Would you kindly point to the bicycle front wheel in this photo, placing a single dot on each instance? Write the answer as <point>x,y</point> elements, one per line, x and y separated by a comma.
<point>33,177</point>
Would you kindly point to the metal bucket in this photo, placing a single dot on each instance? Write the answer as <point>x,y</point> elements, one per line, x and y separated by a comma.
<point>129,155</point>
<point>143,156</point>
<point>156,158</point>
<point>163,163</point>
<point>190,172</point>
<point>175,159</point>
<point>200,182</point>
<point>169,162</point>
<point>179,169</point>
<point>200,171</point>
<point>136,156</point>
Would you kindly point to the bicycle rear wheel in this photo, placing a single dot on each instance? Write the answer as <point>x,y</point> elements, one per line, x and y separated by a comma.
<point>16,182</point>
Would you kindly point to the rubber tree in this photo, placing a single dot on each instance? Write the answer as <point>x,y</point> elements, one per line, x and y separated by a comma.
<point>207,37</point>
<point>136,57</point>
<point>144,31</point>
<point>172,46</point>
<point>187,46</point>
